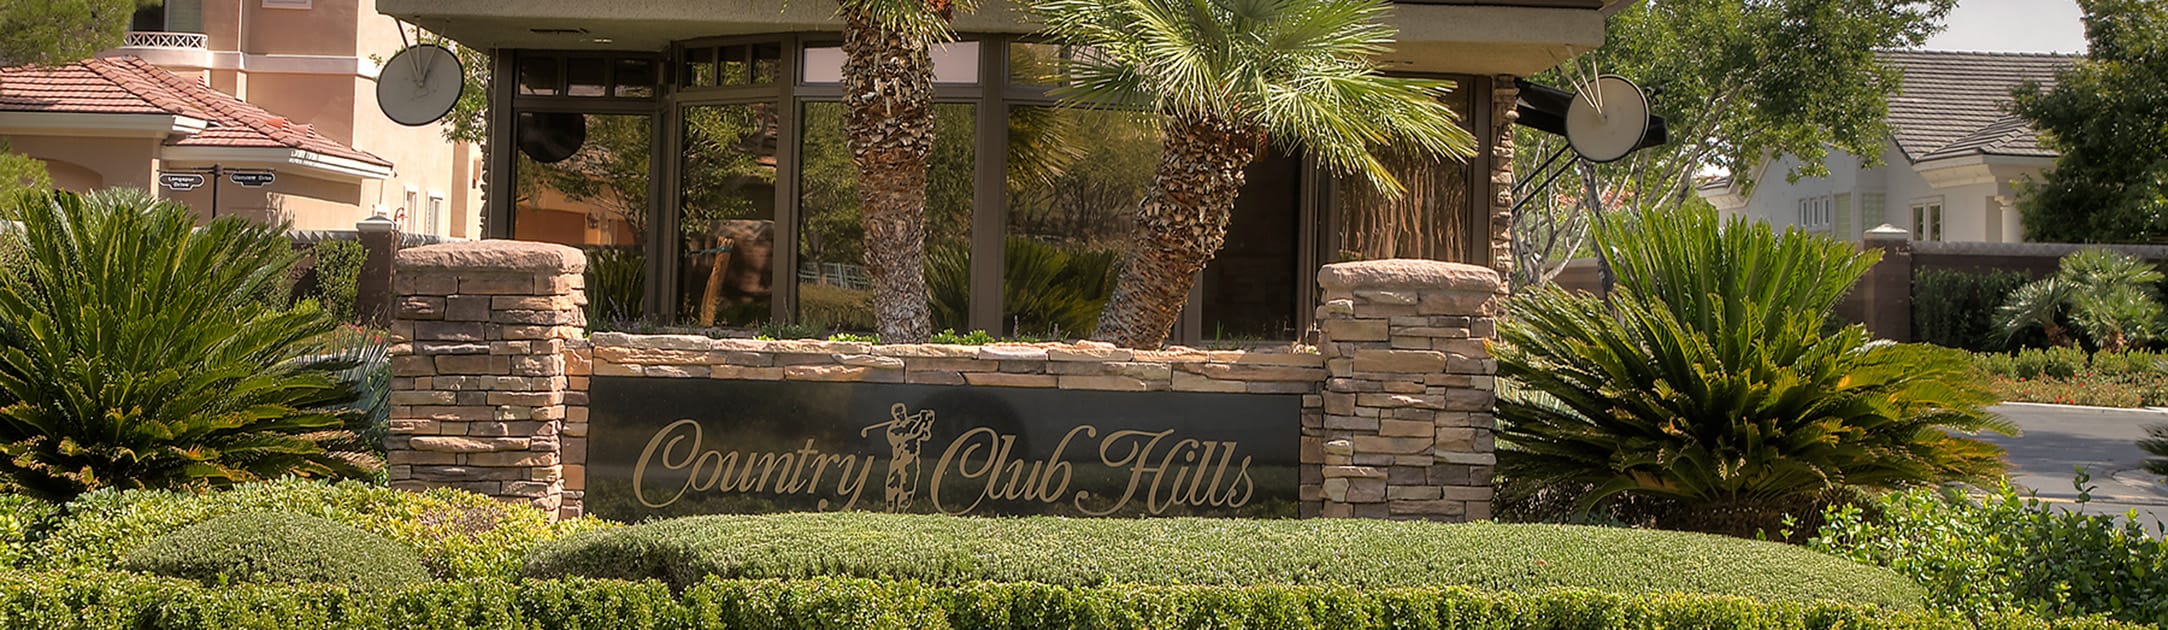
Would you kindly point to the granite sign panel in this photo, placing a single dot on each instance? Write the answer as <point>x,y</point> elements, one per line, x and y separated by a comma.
<point>670,447</point>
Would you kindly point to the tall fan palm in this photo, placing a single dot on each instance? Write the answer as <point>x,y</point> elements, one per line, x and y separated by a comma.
<point>1228,76</point>
<point>888,122</point>
<point>138,350</point>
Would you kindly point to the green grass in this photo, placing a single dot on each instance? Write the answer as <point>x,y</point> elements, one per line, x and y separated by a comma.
<point>1182,551</point>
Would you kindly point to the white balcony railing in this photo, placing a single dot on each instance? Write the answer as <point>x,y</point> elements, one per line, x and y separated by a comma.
<point>161,39</point>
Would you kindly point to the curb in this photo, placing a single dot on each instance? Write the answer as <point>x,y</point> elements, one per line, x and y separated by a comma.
<point>2088,408</point>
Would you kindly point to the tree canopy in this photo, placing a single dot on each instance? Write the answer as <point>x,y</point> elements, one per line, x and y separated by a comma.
<point>1742,83</point>
<point>2108,117</point>
<point>60,31</point>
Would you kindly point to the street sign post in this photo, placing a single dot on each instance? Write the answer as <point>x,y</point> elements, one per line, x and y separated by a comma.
<point>251,179</point>
<point>180,182</point>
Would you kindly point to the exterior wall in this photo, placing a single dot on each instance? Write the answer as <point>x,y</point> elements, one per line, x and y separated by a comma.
<point>1974,205</point>
<point>1505,110</point>
<point>315,66</point>
<point>490,378</point>
<point>123,162</point>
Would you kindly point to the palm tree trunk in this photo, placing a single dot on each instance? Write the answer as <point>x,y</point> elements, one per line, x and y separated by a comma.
<point>888,123</point>
<point>1181,224</point>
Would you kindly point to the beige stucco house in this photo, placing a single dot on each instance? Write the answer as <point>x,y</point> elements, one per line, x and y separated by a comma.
<point>1949,171</point>
<point>696,145</point>
<point>279,86</point>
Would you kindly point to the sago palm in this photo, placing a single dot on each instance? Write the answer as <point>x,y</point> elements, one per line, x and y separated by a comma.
<point>1227,77</point>
<point>888,122</point>
<point>137,350</point>
<point>1709,378</point>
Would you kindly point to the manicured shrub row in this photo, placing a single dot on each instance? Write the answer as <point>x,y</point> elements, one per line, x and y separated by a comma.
<point>1956,309</point>
<point>278,547</point>
<point>1090,552</point>
<point>2004,552</point>
<point>87,601</point>
<point>459,534</point>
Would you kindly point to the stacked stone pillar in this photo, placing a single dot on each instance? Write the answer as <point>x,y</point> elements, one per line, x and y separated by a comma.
<point>479,388</point>
<point>1407,404</point>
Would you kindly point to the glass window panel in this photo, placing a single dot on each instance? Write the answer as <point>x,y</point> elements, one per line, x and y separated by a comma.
<point>731,65</point>
<point>954,62</point>
<point>635,78</point>
<point>699,69</point>
<point>1250,286</point>
<point>540,75</point>
<point>587,76</point>
<point>727,220</point>
<point>1034,64</point>
<point>834,293</point>
<point>767,62</point>
<point>1075,177</point>
<point>1437,219</point>
<point>594,198</point>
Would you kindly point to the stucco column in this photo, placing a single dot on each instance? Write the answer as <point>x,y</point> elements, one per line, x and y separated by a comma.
<point>373,294</point>
<point>1888,285</point>
<point>1408,399</point>
<point>478,368</point>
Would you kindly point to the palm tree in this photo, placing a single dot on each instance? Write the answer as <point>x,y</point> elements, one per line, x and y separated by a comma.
<point>1227,76</point>
<point>888,122</point>
<point>2110,296</point>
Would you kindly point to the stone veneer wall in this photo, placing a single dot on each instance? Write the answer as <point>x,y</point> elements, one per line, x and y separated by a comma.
<point>1396,399</point>
<point>479,390</point>
<point>1505,109</point>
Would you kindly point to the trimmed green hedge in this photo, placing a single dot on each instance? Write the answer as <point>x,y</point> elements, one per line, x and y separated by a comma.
<point>1173,551</point>
<point>1956,309</point>
<point>83,601</point>
<point>278,547</point>
<point>459,534</point>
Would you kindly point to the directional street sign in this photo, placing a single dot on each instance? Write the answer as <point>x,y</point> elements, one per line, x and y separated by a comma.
<point>181,182</point>
<point>252,179</point>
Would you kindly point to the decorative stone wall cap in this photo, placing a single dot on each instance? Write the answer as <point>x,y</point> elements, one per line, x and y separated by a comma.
<point>1408,274</point>
<point>1887,232</point>
<point>494,255</point>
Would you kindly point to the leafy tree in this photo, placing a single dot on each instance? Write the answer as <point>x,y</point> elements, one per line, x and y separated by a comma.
<point>1227,77</point>
<point>2108,117</point>
<point>2110,296</point>
<point>53,31</point>
<point>1709,380</point>
<point>60,31</point>
<point>1742,83</point>
<point>138,351</point>
<point>888,122</point>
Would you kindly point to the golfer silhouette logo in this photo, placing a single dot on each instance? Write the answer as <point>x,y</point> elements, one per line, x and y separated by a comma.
<point>907,432</point>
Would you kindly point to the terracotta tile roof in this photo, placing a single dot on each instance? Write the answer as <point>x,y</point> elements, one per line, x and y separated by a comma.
<point>127,85</point>
<point>1956,103</point>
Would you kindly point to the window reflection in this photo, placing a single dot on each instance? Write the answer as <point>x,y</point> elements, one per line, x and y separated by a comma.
<point>953,62</point>
<point>834,292</point>
<point>582,180</point>
<point>1433,220</point>
<point>1075,178</point>
<point>727,215</point>
<point>1250,286</point>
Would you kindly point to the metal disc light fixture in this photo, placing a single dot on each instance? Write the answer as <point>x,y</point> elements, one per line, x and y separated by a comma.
<point>1608,119</point>
<point>420,85</point>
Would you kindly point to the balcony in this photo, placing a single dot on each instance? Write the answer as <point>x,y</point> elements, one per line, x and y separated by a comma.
<point>162,39</point>
<point>180,52</point>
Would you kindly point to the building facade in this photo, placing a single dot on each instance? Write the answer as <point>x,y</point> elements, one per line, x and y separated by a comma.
<point>1949,172</point>
<point>304,73</point>
<point>695,148</point>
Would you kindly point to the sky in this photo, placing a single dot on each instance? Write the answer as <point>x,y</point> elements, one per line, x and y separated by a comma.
<point>2013,25</point>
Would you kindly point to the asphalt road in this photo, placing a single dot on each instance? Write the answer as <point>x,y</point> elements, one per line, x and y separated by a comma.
<point>2057,439</point>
